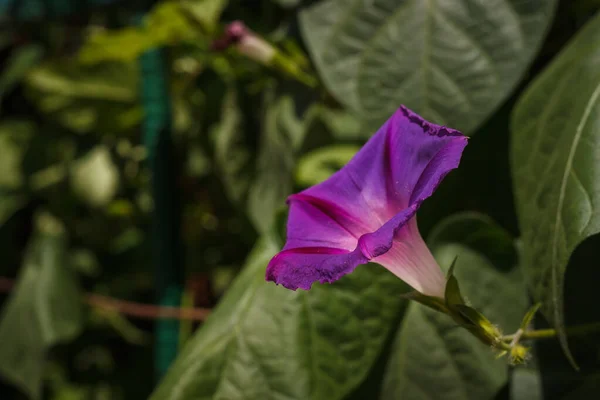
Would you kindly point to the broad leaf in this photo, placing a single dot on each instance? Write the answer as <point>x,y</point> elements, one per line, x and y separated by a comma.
<point>526,384</point>
<point>432,354</point>
<point>453,62</point>
<point>555,137</point>
<point>266,342</point>
<point>44,309</point>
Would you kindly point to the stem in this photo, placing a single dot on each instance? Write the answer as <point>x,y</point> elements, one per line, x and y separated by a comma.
<point>130,308</point>
<point>550,333</point>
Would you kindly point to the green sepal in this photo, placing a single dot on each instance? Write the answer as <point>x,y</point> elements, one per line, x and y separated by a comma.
<point>452,292</point>
<point>529,316</point>
<point>432,302</point>
<point>477,324</point>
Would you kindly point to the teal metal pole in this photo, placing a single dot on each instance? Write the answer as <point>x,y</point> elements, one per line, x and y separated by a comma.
<point>166,222</point>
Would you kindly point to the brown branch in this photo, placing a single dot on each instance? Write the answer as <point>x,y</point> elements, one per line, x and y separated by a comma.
<point>130,308</point>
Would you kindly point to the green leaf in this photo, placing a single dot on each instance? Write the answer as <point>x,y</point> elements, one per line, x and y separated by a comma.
<point>165,24</point>
<point>529,316</point>
<point>262,188</point>
<point>9,204</point>
<point>232,157</point>
<point>15,137</point>
<point>18,65</point>
<point>555,134</point>
<point>432,354</point>
<point>452,62</point>
<point>320,164</point>
<point>264,341</point>
<point>526,384</point>
<point>282,134</point>
<point>478,232</point>
<point>206,12</point>
<point>95,178</point>
<point>99,97</point>
<point>43,310</point>
<point>288,3</point>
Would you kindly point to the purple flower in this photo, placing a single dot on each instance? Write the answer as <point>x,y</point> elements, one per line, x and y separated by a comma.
<point>365,212</point>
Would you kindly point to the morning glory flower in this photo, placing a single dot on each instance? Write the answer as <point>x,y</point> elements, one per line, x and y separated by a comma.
<point>365,212</point>
<point>246,42</point>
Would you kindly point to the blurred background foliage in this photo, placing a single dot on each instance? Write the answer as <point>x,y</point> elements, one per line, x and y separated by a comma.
<point>77,203</point>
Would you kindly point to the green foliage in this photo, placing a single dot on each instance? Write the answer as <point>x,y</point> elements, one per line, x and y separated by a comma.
<point>262,186</point>
<point>165,24</point>
<point>85,99</point>
<point>438,58</point>
<point>555,131</point>
<point>44,309</point>
<point>14,138</point>
<point>17,66</point>
<point>266,342</point>
<point>318,165</point>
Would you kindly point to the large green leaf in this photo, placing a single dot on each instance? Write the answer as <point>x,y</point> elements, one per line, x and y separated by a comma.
<point>555,137</point>
<point>44,309</point>
<point>434,356</point>
<point>266,342</point>
<point>453,62</point>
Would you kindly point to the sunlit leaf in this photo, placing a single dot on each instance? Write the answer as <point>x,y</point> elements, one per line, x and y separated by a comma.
<point>95,178</point>
<point>453,62</point>
<point>165,24</point>
<point>320,164</point>
<point>206,12</point>
<point>555,136</point>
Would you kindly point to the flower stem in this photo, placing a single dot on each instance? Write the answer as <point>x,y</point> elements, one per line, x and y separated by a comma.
<point>551,333</point>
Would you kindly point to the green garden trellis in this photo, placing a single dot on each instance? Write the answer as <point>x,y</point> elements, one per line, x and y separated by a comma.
<point>166,242</point>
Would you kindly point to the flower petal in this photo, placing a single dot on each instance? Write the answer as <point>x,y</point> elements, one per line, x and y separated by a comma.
<point>401,164</point>
<point>299,267</point>
<point>361,212</point>
<point>410,260</point>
